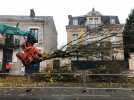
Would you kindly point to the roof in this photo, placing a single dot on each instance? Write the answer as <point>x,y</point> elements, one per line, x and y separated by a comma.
<point>24,18</point>
<point>93,13</point>
<point>106,19</point>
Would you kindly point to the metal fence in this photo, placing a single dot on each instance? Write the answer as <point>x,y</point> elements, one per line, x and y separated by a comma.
<point>83,79</point>
<point>68,79</point>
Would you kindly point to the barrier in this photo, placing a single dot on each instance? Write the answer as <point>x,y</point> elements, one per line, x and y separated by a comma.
<point>83,79</point>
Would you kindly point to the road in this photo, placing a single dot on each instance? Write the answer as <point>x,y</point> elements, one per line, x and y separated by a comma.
<point>66,93</point>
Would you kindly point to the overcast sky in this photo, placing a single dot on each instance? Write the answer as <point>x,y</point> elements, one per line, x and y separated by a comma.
<point>60,9</point>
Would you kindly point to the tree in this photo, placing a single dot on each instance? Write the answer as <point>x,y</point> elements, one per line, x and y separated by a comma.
<point>128,35</point>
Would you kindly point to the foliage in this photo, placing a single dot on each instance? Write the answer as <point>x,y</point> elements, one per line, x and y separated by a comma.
<point>110,69</point>
<point>64,74</point>
<point>129,34</point>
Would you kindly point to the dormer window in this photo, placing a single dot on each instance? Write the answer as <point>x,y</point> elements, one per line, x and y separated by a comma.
<point>112,21</point>
<point>90,19</point>
<point>95,18</point>
<point>75,21</point>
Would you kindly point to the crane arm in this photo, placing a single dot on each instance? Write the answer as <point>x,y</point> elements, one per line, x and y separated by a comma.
<point>10,30</point>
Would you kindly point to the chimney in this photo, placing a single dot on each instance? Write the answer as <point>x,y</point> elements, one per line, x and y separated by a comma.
<point>69,16</point>
<point>93,9</point>
<point>32,13</point>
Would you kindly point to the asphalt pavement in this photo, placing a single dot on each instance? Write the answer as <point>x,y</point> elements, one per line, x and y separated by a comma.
<point>66,93</point>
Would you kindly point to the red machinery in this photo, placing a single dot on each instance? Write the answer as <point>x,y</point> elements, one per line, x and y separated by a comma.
<point>29,54</point>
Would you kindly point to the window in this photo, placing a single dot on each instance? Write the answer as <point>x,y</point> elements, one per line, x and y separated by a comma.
<point>35,32</point>
<point>95,18</point>
<point>112,21</point>
<point>113,38</point>
<point>88,39</point>
<point>74,38</point>
<point>90,19</point>
<point>75,21</point>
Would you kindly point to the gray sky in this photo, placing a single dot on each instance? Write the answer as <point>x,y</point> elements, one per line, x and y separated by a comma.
<point>59,9</point>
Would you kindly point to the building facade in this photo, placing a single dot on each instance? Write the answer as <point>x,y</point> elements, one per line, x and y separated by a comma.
<point>43,27</point>
<point>97,29</point>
